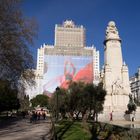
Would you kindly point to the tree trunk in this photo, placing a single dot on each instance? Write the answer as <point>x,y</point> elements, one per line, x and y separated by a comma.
<point>96,117</point>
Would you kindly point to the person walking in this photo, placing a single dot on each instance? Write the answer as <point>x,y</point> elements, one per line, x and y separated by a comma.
<point>111,116</point>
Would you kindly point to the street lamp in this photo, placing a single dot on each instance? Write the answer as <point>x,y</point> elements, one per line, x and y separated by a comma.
<point>57,90</point>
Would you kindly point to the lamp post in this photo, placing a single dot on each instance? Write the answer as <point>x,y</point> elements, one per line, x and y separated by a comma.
<point>57,89</point>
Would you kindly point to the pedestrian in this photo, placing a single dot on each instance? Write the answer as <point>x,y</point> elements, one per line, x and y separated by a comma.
<point>44,115</point>
<point>133,118</point>
<point>35,116</point>
<point>31,114</point>
<point>23,114</point>
<point>38,116</point>
<point>111,116</point>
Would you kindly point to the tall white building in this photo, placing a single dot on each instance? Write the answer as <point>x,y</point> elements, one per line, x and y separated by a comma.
<point>41,59</point>
<point>68,59</point>
<point>96,64</point>
<point>135,85</point>
<point>69,34</point>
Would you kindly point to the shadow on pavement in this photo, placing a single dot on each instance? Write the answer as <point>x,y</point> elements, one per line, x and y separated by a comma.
<point>7,121</point>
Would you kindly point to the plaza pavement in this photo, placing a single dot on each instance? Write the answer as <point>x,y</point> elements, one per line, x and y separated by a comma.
<point>24,130</point>
<point>128,124</point>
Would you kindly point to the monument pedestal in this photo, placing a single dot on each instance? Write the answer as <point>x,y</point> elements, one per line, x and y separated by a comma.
<point>117,113</point>
<point>115,104</point>
<point>137,115</point>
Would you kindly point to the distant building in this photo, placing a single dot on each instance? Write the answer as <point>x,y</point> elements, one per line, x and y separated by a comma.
<point>135,85</point>
<point>68,59</point>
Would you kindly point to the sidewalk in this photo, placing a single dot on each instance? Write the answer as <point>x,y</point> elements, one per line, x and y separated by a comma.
<point>129,124</point>
<point>24,130</point>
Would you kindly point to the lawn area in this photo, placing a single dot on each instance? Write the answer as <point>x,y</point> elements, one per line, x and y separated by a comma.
<point>75,130</point>
<point>68,130</point>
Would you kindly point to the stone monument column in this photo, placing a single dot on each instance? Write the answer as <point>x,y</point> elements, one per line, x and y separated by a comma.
<point>116,77</point>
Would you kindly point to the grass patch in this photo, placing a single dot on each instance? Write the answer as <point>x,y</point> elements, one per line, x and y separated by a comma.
<point>76,130</point>
<point>68,130</point>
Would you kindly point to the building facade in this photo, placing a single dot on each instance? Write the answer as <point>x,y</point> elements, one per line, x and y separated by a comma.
<point>69,35</point>
<point>135,85</point>
<point>68,59</point>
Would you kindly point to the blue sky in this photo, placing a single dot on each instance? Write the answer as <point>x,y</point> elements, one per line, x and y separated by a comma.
<point>94,15</point>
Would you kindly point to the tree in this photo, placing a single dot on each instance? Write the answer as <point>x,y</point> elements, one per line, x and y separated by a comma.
<point>99,98</point>
<point>58,102</point>
<point>24,103</point>
<point>41,100</point>
<point>86,98</point>
<point>79,98</point>
<point>131,105</point>
<point>16,34</point>
<point>137,101</point>
<point>77,102</point>
<point>8,98</point>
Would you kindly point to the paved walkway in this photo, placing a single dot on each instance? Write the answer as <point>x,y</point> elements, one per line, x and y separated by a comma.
<point>130,124</point>
<point>24,130</point>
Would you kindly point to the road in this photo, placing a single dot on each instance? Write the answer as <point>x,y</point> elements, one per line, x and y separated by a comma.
<point>24,130</point>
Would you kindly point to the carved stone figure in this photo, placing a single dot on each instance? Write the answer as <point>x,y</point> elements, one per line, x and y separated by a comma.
<point>111,31</point>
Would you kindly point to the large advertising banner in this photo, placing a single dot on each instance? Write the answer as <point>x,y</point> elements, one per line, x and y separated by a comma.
<point>59,70</point>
